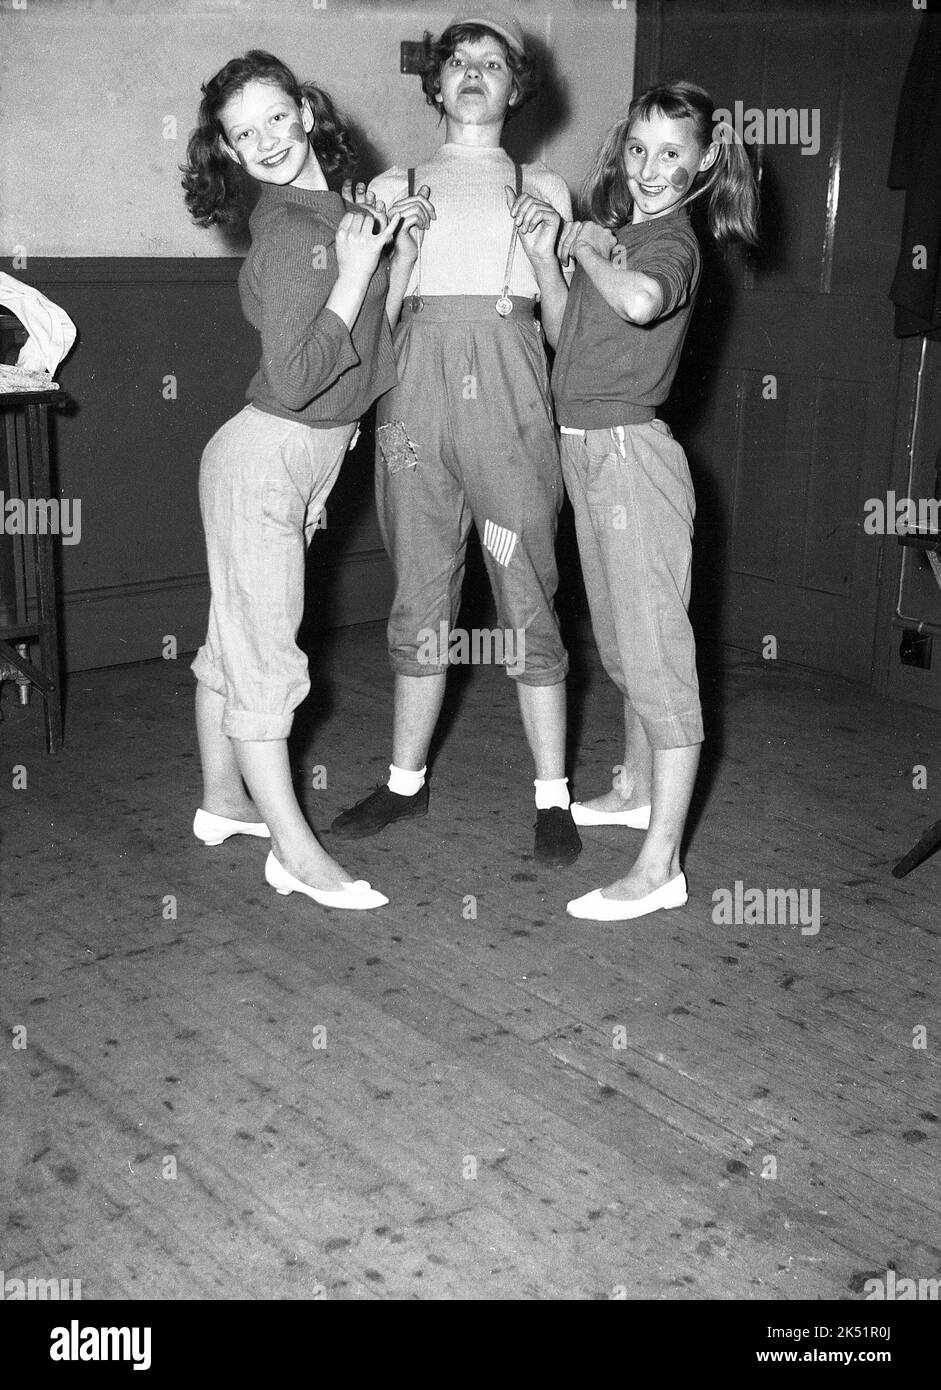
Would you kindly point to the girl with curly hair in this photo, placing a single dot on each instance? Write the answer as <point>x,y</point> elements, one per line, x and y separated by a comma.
<point>314,285</point>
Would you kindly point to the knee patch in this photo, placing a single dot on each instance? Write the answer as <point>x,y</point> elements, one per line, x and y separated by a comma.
<point>395,446</point>
<point>500,541</point>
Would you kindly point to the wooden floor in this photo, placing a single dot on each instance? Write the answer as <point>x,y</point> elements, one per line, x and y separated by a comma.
<point>471,1129</point>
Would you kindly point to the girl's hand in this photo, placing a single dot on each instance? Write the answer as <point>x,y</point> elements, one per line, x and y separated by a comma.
<point>417,214</point>
<point>360,197</point>
<point>570,231</point>
<point>538,223</point>
<point>578,235</point>
<point>361,237</point>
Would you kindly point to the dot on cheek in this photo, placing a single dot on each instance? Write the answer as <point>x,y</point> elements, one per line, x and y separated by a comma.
<point>297,132</point>
<point>680,180</point>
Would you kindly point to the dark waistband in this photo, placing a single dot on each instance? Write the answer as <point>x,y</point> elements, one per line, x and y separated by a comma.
<point>465,308</point>
<point>627,417</point>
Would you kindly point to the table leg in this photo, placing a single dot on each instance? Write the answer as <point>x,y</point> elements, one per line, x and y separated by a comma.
<point>37,448</point>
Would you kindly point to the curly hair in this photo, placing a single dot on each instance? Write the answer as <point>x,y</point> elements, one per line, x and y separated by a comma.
<point>526,76</point>
<point>216,188</point>
<point>732,206</point>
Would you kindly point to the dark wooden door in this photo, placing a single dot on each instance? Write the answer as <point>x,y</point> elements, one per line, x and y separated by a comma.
<point>786,397</point>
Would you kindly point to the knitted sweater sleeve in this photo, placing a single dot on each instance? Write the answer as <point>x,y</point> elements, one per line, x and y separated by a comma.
<point>305,346</point>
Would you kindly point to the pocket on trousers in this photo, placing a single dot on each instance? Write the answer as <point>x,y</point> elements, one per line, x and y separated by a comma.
<point>600,446</point>
<point>672,456</point>
<point>275,505</point>
<point>531,337</point>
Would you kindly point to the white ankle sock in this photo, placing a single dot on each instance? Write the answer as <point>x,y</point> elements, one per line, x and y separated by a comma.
<point>405,783</point>
<point>554,791</point>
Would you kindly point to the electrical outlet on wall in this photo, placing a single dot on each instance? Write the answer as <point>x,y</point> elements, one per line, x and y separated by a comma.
<point>915,649</point>
<point>411,55</point>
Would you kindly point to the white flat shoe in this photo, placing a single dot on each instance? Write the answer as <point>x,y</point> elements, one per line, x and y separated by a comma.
<point>212,830</point>
<point>601,909</point>
<point>637,819</point>
<point>358,896</point>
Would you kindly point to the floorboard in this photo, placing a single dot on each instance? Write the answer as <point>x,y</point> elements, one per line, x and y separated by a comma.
<point>509,1103</point>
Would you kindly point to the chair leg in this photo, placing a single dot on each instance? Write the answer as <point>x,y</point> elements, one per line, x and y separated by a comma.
<point>926,846</point>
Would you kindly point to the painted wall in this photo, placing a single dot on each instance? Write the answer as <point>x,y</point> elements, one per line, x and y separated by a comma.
<point>99,97</point>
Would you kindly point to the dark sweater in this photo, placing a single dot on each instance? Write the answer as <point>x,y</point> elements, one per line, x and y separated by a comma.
<point>312,368</point>
<point>611,372</point>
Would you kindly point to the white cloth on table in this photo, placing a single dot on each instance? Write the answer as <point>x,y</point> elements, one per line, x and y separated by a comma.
<point>51,331</point>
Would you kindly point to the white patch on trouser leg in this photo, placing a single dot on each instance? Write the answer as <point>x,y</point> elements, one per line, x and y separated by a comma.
<point>395,446</point>
<point>500,542</point>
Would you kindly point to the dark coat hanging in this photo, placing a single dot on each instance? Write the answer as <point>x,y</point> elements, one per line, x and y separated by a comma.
<point>916,167</point>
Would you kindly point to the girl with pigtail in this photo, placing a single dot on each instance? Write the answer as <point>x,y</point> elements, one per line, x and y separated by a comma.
<point>618,333</point>
<point>314,285</point>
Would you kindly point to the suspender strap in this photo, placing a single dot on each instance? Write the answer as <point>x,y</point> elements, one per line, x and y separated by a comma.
<point>504,304</point>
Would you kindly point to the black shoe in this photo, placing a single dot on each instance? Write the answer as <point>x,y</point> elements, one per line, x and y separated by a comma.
<point>377,810</point>
<point>557,841</point>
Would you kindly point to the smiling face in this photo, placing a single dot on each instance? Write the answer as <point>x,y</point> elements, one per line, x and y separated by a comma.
<point>266,132</point>
<point>477,86</point>
<point>661,158</point>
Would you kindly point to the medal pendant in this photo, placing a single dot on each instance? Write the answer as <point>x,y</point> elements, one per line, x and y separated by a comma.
<point>504,306</point>
<point>417,303</point>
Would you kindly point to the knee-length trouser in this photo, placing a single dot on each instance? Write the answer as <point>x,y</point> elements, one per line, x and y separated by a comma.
<point>633,500</point>
<point>467,436</point>
<point>263,482</point>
